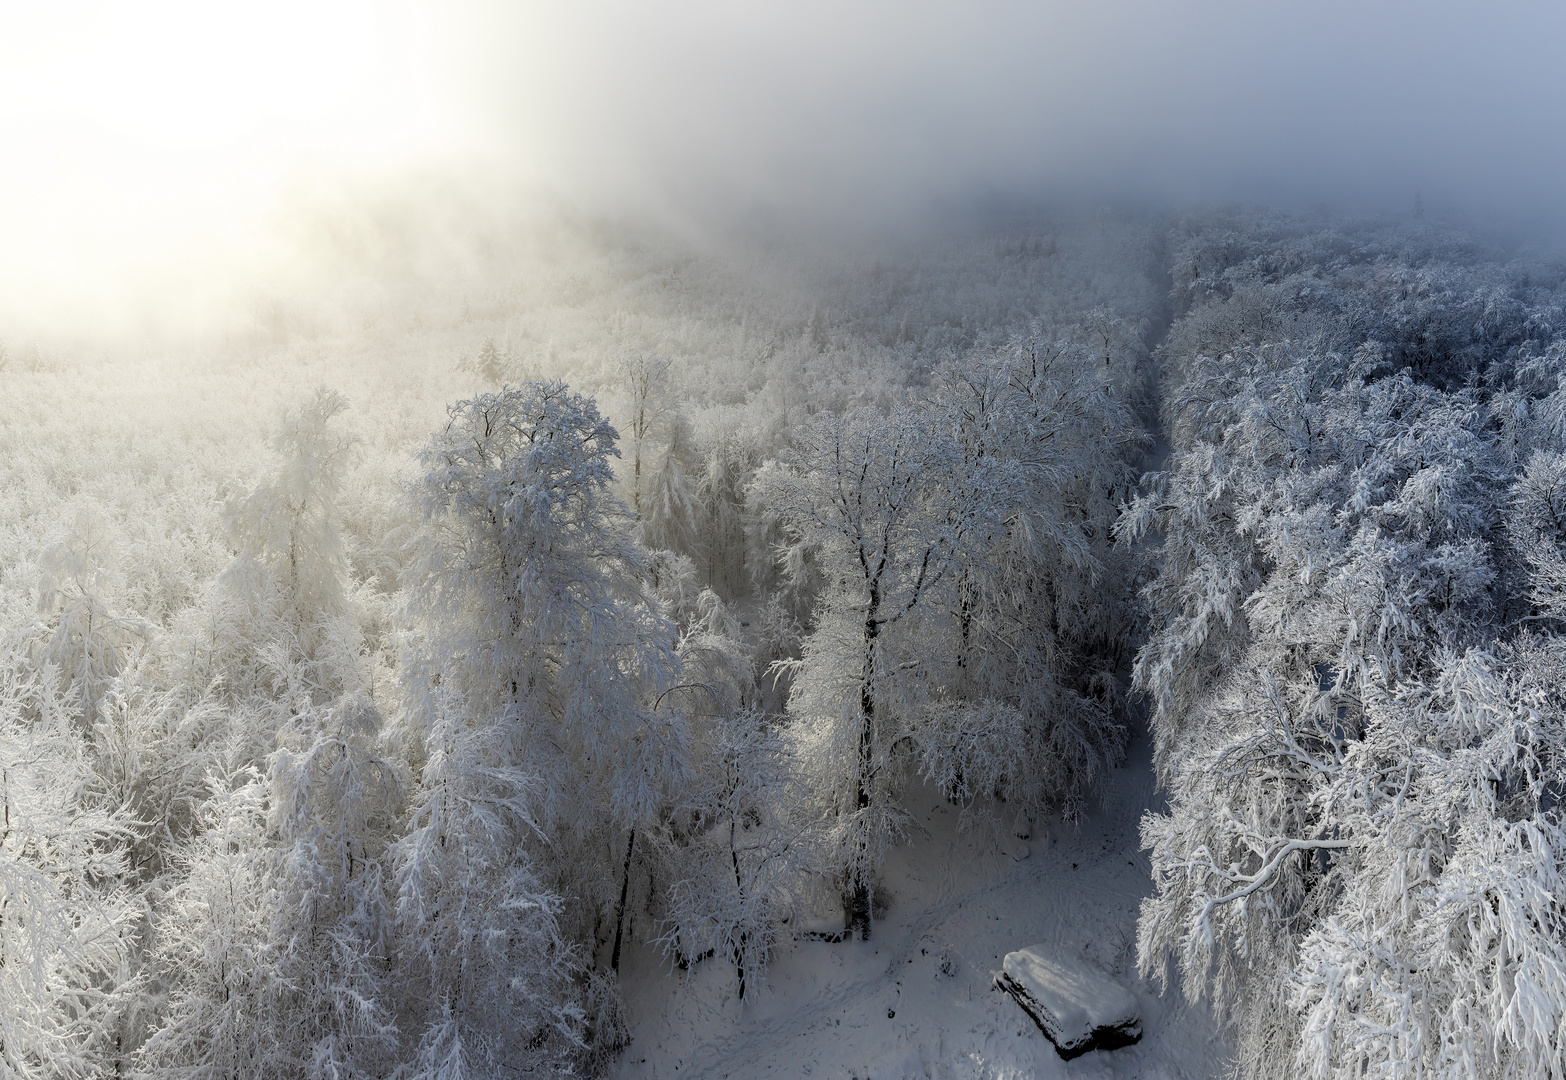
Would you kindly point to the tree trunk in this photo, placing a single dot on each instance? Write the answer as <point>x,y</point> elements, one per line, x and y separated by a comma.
<point>965,678</point>
<point>856,902</point>
<point>638,436</point>
<point>619,915</point>
<point>739,886</point>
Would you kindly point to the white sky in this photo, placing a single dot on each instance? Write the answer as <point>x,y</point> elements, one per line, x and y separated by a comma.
<point>150,149</point>
<point>147,146</point>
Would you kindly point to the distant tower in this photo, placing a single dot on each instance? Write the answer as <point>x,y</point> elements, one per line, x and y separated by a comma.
<point>1419,206</point>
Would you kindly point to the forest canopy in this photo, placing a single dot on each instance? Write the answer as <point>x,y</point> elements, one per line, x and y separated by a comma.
<point>370,684</point>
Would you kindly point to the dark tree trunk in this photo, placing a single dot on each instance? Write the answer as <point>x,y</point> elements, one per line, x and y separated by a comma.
<point>856,902</point>
<point>619,915</point>
<point>739,886</point>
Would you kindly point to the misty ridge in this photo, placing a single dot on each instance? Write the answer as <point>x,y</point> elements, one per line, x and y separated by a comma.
<point>773,515</point>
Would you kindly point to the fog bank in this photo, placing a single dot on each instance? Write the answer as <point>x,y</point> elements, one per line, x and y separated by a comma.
<point>166,160</point>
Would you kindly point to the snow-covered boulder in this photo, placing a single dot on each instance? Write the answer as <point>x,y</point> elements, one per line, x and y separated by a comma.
<point>1076,1006</point>
<point>820,928</point>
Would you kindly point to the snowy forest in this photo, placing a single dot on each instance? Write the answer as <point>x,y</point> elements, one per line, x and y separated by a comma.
<point>419,689</point>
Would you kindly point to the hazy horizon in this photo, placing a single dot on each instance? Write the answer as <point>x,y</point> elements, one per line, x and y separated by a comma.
<point>172,161</point>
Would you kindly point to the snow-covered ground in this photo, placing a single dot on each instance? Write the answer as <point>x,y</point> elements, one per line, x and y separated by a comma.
<point>916,1000</point>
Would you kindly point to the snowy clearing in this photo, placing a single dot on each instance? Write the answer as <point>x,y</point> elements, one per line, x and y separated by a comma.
<point>886,1010</point>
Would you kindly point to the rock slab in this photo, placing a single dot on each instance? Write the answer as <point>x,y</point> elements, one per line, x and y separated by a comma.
<point>1076,1006</point>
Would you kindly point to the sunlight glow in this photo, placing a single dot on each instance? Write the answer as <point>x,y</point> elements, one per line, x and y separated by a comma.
<point>146,143</point>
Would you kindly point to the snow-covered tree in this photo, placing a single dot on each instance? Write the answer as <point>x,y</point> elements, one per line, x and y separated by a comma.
<point>270,902</point>
<point>741,845</point>
<point>729,457</point>
<point>540,664</point>
<point>1447,951</point>
<point>645,377</point>
<point>486,973</point>
<point>334,804</point>
<point>288,524</point>
<point>671,515</point>
<point>1039,608</point>
<point>538,601</point>
<point>1362,837</point>
<point>1331,522</point>
<point>210,948</point>
<point>67,920</point>
<point>869,496</point>
<point>1403,882</point>
<point>89,643</point>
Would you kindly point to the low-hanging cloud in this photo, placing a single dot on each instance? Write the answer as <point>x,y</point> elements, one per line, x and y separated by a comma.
<point>158,150</point>
<point>865,107</point>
